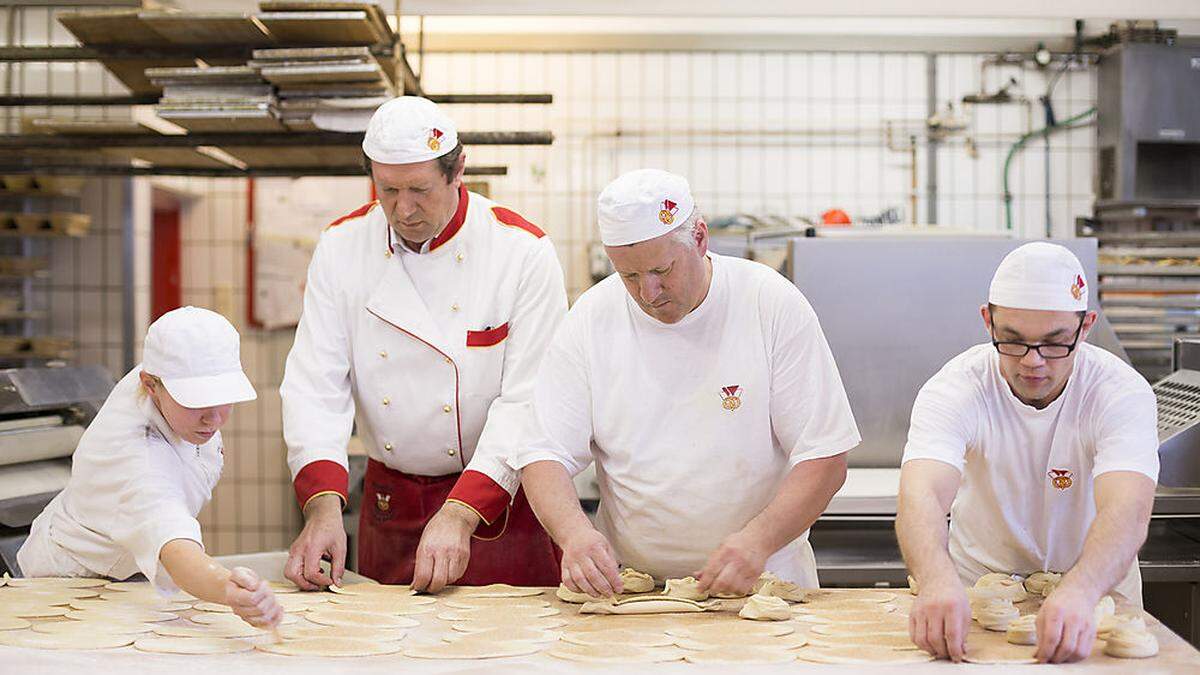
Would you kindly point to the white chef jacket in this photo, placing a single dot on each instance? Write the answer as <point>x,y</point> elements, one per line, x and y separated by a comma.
<point>435,352</point>
<point>680,466</point>
<point>135,486</point>
<point>1026,500</point>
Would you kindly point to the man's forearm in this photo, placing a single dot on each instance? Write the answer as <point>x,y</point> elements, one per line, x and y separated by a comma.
<point>923,533</point>
<point>801,499</point>
<point>1112,543</point>
<point>554,500</point>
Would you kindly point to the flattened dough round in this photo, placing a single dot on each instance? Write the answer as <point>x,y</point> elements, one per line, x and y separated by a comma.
<point>32,640</point>
<point>1000,653</point>
<point>384,599</point>
<point>329,647</point>
<point>283,587</point>
<point>376,605</point>
<point>200,631</point>
<point>784,642</point>
<point>497,591</point>
<point>34,611</point>
<point>293,603</point>
<point>731,628</point>
<point>483,626</point>
<point>505,635</point>
<point>862,655</point>
<point>111,606</point>
<point>497,614</point>
<point>819,596</point>
<point>346,617</point>
<point>618,636</point>
<point>59,582</point>
<point>875,640</point>
<point>471,649</point>
<point>373,589</point>
<point>178,645</point>
<point>307,631</point>
<point>731,655</point>
<point>233,620</point>
<point>46,595</point>
<point>843,630</point>
<point>122,614</point>
<point>614,654</point>
<point>13,623</point>
<point>75,627</point>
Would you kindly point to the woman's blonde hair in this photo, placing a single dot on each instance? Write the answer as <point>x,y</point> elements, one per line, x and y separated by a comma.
<point>143,392</point>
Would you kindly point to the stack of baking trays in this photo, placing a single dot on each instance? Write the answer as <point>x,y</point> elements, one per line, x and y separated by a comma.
<point>217,99</point>
<point>319,81</point>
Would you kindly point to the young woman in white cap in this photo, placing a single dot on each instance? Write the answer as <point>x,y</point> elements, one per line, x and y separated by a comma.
<point>1044,450</point>
<point>146,466</point>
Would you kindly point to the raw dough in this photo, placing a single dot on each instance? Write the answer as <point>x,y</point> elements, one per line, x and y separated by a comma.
<point>13,623</point>
<point>1110,623</point>
<point>73,627</point>
<point>347,617</point>
<point>1000,654</point>
<point>198,631</point>
<point>283,587</point>
<point>176,645</point>
<point>731,655</point>
<point>329,647</point>
<point>830,606</point>
<point>375,606</point>
<point>458,602</point>
<point>506,634</point>
<point>614,654</point>
<point>1038,582</point>
<point>307,630</point>
<point>373,589</point>
<point>765,608</point>
<point>646,604</point>
<point>483,626</point>
<point>996,614</point>
<point>128,586</point>
<point>687,588</point>
<point>122,614</point>
<point>729,629</point>
<point>59,582</point>
<point>1130,643</point>
<point>619,636</point>
<point>110,606</point>
<point>869,640</point>
<point>233,620</point>
<point>128,598</point>
<point>823,595</point>
<point>32,640</point>
<point>862,655</point>
<point>293,603</point>
<point>633,581</point>
<point>383,599</point>
<point>471,649</point>
<point>497,591</point>
<point>912,585</point>
<point>994,579</point>
<point>567,595</point>
<point>1022,630</point>
<point>996,585</point>
<point>793,641</point>
<point>857,612</point>
<point>781,589</point>
<point>763,579</point>
<point>45,595</point>
<point>1105,608</point>
<point>497,614</point>
<point>33,611</point>
<point>839,630</point>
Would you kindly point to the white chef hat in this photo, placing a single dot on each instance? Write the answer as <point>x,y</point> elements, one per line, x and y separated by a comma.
<point>642,205</point>
<point>1040,275</point>
<point>197,355</point>
<point>407,130</point>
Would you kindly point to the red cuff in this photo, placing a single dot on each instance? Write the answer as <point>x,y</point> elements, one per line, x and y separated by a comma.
<point>319,478</point>
<point>481,494</point>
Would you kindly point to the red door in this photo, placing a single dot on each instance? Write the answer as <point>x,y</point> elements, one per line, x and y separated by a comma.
<point>166,291</point>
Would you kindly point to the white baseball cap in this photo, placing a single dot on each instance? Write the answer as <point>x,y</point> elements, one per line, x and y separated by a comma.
<point>642,205</point>
<point>197,355</point>
<point>1040,275</point>
<point>407,130</point>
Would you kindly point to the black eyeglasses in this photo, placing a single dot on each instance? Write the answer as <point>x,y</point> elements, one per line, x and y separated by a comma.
<point>1046,351</point>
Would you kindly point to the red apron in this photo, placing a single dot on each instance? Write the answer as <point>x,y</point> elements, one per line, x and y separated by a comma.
<point>396,507</point>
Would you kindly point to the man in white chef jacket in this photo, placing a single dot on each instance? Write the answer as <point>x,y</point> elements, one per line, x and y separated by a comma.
<point>704,390</point>
<point>425,315</point>
<point>1043,449</point>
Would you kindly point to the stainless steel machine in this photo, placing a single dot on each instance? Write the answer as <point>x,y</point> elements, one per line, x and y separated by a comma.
<point>895,310</point>
<point>43,413</point>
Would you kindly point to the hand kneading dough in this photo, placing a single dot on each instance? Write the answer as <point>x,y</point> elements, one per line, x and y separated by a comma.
<point>329,647</point>
<point>646,604</point>
<point>31,640</point>
<point>687,588</point>
<point>471,649</point>
<point>731,655</point>
<point>1130,643</point>
<point>765,608</point>
<point>1038,581</point>
<point>996,614</point>
<point>862,655</point>
<point>1022,630</point>
<point>613,653</point>
<point>633,581</point>
<point>169,645</point>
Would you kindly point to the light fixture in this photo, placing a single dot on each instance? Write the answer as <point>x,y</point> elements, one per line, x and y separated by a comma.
<point>1042,56</point>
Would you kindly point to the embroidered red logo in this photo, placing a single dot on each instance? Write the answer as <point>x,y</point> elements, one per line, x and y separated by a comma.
<point>667,214</point>
<point>383,502</point>
<point>435,139</point>
<point>1060,478</point>
<point>1077,287</point>
<point>731,397</point>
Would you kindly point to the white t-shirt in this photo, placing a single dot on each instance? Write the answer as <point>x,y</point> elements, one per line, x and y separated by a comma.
<point>692,425</point>
<point>135,485</point>
<point>1026,500</point>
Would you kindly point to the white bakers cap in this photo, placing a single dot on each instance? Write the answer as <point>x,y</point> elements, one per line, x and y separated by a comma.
<point>1040,275</point>
<point>197,355</point>
<point>642,205</point>
<point>407,130</point>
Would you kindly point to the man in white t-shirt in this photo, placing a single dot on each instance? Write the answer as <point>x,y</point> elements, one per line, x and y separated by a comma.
<point>704,390</point>
<point>1044,450</point>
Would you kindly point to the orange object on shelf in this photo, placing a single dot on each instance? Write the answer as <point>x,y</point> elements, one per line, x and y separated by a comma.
<point>835,217</point>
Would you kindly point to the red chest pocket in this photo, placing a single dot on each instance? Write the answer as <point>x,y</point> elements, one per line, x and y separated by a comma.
<point>487,337</point>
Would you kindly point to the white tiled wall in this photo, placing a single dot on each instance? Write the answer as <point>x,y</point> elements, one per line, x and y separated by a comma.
<point>791,133</point>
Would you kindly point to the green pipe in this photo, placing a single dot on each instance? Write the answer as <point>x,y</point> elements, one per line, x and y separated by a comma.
<point>1068,123</point>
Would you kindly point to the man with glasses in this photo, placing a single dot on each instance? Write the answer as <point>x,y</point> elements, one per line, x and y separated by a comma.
<point>1043,449</point>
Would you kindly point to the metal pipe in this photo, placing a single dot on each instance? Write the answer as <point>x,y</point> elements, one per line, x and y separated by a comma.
<point>208,172</point>
<point>295,139</point>
<point>151,99</point>
<point>931,149</point>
